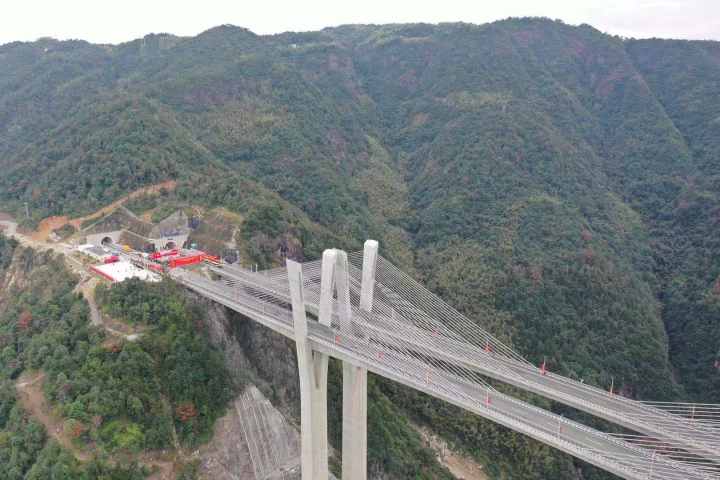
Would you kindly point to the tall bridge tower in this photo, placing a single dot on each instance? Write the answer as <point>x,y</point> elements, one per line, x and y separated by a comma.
<point>313,366</point>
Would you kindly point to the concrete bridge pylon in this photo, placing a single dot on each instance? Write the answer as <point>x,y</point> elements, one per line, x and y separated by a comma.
<point>313,366</point>
<point>354,435</point>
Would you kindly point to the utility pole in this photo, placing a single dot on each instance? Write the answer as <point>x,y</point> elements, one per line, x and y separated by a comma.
<point>27,210</point>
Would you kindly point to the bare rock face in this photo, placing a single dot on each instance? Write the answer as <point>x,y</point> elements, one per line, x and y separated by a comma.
<point>16,278</point>
<point>273,443</point>
<point>25,265</point>
<point>220,332</point>
<point>227,455</point>
<point>253,441</point>
<point>258,438</point>
<point>275,364</point>
<point>255,354</point>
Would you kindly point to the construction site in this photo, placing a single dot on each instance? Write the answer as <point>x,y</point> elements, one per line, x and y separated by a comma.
<point>120,245</point>
<point>253,440</point>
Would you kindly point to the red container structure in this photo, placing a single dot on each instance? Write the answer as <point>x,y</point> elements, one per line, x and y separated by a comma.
<point>193,259</point>
<point>164,253</point>
<point>111,259</point>
<point>102,274</point>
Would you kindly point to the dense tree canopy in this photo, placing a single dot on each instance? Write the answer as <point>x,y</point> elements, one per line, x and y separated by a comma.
<point>122,396</point>
<point>559,186</point>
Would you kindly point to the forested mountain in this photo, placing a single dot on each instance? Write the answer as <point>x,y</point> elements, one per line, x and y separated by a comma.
<point>558,185</point>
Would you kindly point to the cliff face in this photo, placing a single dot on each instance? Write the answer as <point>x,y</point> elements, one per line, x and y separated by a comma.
<point>25,267</point>
<point>14,277</point>
<point>259,436</point>
<point>252,441</point>
<point>255,354</point>
<point>42,312</point>
<point>265,363</point>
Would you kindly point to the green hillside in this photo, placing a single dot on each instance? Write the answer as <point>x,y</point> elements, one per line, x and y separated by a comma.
<point>558,185</point>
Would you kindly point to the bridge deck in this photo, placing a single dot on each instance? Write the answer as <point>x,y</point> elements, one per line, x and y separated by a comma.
<point>378,345</point>
<point>700,439</point>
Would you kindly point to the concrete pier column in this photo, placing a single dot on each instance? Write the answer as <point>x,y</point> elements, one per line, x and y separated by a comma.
<point>367,288</point>
<point>327,286</point>
<point>312,367</point>
<point>342,286</point>
<point>354,458</point>
<point>354,430</point>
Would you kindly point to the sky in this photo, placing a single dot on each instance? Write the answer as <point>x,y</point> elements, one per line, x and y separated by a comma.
<point>114,22</point>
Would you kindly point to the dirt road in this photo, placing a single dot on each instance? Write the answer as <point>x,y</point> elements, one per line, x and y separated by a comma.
<point>87,288</point>
<point>49,224</point>
<point>32,399</point>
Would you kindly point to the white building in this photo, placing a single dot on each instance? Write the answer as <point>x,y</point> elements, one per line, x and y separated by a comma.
<point>120,271</point>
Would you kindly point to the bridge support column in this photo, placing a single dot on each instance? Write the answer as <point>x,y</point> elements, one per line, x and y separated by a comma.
<point>354,430</point>
<point>312,367</point>
<point>354,460</point>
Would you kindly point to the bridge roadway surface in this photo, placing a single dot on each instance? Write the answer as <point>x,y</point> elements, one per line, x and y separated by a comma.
<point>615,408</point>
<point>609,453</point>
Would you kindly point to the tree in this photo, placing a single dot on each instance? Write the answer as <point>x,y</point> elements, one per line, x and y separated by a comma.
<point>25,320</point>
<point>186,412</point>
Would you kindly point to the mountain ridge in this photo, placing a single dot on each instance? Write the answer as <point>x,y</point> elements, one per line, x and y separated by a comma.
<point>556,184</point>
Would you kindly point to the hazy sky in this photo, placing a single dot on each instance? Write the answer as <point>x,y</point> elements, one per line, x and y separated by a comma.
<point>102,21</point>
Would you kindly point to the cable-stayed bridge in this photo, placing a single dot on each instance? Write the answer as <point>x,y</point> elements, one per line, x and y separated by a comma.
<point>364,311</point>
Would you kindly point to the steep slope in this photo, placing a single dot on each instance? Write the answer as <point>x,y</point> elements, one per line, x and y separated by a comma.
<point>256,103</point>
<point>526,144</point>
<point>558,185</point>
<point>105,149</point>
<point>41,83</point>
<point>690,265</point>
<point>38,312</point>
<point>516,168</point>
